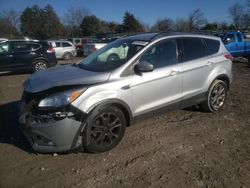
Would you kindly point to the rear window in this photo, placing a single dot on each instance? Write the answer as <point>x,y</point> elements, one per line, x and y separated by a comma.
<point>192,48</point>
<point>212,46</point>
<point>55,44</point>
<point>65,44</point>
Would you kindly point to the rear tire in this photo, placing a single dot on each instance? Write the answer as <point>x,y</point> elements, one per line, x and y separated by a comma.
<point>104,129</point>
<point>216,96</point>
<point>39,65</point>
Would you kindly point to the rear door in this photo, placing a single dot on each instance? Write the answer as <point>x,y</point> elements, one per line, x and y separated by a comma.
<point>195,68</point>
<point>67,47</point>
<point>21,54</point>
<point>4,57</point>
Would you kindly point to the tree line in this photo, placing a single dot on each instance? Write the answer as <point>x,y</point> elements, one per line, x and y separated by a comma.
<point>44,23</point>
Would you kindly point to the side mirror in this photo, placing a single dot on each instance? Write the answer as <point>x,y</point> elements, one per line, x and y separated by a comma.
<point>144,66</point>
<point>227,40</point>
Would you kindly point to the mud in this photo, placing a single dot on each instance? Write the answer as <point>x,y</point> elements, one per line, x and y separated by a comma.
<point>184,148</point>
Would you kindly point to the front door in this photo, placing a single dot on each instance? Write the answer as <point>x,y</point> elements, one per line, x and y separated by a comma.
<point>162,87</point>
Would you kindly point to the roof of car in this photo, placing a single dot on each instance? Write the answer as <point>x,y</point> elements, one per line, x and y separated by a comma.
<point>154,36</point>
<point>22,40</point>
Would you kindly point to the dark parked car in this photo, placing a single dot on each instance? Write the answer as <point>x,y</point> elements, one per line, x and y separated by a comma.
<point>26,55</point>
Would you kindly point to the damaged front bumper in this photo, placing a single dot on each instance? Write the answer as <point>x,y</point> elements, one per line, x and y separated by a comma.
<point>52,132</point>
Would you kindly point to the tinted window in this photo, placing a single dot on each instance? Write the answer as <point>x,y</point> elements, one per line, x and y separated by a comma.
<point>35,46</point>
<point>212,46</point>
<point>191,48</point>
<point>230,38</point>
<point>65,44</point>
<point>161,55</point>
<point>57,44</point>
<point>4,48</point>
<point>20,47</point>
<point>239,37</point>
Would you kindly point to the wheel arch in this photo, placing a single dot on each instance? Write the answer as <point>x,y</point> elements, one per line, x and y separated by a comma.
<point>221,73</point>
<point>224,78</point>
<point>119,104</point>
<point>39,58</point>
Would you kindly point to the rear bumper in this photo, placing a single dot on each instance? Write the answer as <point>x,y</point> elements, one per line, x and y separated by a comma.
<point>57,136</point>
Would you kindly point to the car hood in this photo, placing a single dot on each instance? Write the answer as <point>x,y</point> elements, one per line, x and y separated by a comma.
<point>62,75</point>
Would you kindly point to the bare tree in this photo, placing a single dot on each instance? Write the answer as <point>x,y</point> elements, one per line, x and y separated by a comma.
<point>9,24</point>
<point>163,25</point>
<point>181,24</point>
<point>73,19</point>
<point>237,11</point>
<point>196,20</point>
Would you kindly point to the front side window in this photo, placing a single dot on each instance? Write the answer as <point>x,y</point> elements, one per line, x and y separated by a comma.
<point>112,55</point>
<point>161,55</point>
<point>4,48</point>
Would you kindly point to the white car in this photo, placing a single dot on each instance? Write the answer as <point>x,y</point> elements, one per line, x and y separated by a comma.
<point>64,49</point>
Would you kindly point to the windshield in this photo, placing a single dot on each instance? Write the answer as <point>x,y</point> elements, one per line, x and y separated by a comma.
<point>113,55</point>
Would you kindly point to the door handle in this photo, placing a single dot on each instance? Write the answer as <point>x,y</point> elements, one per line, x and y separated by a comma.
<point>174,72</point>
<point>209,63</point>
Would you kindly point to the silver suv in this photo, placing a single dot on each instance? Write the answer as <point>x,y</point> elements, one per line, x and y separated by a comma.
<point>89,105</point>
<point>63,49</point>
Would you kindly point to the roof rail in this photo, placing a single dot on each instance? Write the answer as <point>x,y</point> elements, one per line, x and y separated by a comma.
<point>200,32</point>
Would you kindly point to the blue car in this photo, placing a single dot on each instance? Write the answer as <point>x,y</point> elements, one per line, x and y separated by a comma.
<point>237,44</point>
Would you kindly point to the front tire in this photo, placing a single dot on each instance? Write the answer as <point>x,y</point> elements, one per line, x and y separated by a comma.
<point>104,129</point>
<point>216,96</point>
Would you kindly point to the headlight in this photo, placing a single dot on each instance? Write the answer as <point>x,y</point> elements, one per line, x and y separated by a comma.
<point>60,99</point>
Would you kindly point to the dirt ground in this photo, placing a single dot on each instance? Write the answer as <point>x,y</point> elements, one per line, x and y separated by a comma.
<point>184,148</point>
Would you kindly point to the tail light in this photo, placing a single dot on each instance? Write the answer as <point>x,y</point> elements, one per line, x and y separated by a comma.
<point>51,50</point>
<point>229,56</point>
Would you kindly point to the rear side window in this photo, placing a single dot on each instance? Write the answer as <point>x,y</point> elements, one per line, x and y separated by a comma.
<point>65,44</point>
<point>191,48</point>
<point>35,46</point>
<point>20,47</point>
<point>212,46</point>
